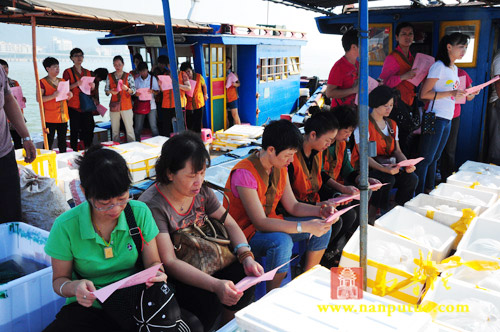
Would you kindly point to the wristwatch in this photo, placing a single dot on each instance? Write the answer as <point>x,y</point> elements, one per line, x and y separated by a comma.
<point>27,138</point>
<point>299,227</point>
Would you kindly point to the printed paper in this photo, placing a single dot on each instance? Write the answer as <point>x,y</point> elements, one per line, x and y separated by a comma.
<point>190,93</point>
<point>249,281</point>
<point>231,78</point>
<point>339,213</point>
<point>145,94</point>
<point>480,86</point>
<point>17,92</point>
<point>165,82</point>
<point>422,64</point>
<point>85,87</point>
<point>63,89</point>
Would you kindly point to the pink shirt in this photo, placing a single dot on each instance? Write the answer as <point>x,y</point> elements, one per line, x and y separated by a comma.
<point>390,70</point>
<point>242,178</point>
<point>468,82</point>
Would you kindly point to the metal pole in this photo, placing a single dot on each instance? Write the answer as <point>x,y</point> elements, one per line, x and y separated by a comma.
<point>38,88</point>
<point>173,66</point>
<point>363,131</point>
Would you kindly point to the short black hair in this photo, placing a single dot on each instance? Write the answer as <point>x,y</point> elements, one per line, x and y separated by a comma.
<point>103,173</point>
<point>163,59</point>
<point>185,66</point>
<point>282,135</point>
<point>314,109</point>
<point>49,62</point>
<point>74,51</point>
<point>403,25</point>
<point>137,56</point>
<point>101,73</point>
<point>350,38</point>
<point>321,123</point>
<point>177,151</point>
<point>4,63</point>
<point>118,57</point>
<point>380,96</point>
<point>347,116</point>
<point>142,66</point>
<point>455,38</point>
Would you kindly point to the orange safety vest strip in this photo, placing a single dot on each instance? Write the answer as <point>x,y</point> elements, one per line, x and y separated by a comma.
<point>333,166</point>
<point>231,94</point>
<point>168,95</point>
<point>406,88</point>
<point>269,196</point>
<point>306,183</point>
<point>74,102</point>
<point>55,111</point>
<point>198,99</point>
<point>377,136</point>
<point>125,97</point>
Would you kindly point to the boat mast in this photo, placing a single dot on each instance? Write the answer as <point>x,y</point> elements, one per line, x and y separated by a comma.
<point>38,88</point>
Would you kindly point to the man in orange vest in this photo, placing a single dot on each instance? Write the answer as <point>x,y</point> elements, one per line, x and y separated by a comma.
<point>255,187</point>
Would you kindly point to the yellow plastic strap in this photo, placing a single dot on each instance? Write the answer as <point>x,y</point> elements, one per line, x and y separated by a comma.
<point>430,308</point>
<point>430,214</point>
<point>473,185</point>
<point>461,226</point>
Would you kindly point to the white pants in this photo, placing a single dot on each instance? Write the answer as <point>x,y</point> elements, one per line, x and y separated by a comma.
<point>128,120</point>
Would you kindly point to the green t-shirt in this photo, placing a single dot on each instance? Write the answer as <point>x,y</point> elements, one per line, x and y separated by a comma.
<point>73,238</point>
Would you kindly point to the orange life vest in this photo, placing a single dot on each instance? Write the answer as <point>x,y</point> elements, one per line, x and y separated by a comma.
<point>197,101</point>
<point>385,144</point>
<point>306,183</point>
<point>332,164</point>
<point>123,97</point>
<point>231,94</point>
<point>406,88</point>
<point>74,102</point>
<point>55,111</point>
<point>168,95</point>
<point>269,195</point>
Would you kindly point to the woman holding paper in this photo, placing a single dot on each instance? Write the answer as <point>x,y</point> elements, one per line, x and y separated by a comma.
<point>21,100</point>
<point>383,167</point>
<point>81,124</point>
<point>55,91</point>
<point>232,82</point>
<point>195,106</point>
<point>91,246</point>
<point>179,200</point>
<point>148,85</point>
<point>441,88</point>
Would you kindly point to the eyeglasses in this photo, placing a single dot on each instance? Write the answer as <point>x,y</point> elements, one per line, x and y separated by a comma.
<point>107,207</point>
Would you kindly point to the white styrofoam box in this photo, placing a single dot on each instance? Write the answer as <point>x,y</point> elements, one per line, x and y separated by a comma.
<point>64,177</point>
<point>28,303</point>
<point>67,159</point>
<point>490,183</point>
<point>492,212</point>
<point>294,307</point>
<point>466,195</point>
<point>480,228</point>
<point>157,140</point>
<point>141,164</point>
<point>376,236</point>
<point>136,146</point>
<point>401,221</point>
<point>417,204</point>
<point>245,130</point>
<point>474,166</point>
<point>457,292</point>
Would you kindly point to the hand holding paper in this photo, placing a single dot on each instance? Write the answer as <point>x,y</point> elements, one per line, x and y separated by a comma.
<point>18,94</point>
<point>193,86</point>
<point>119,85</point>
<point>62,90</point>
<point>410,162</point>
<point>165,82</point>
<point>422,64</point>
<point>338,214</point>
<point>101,109</point>
<point>231,78</point>
<point>86,85</point>
<point>144,94</point>
<point>480,86</point>
<point>462,87</point>
<point>249,281</point>
<point>341,199</point>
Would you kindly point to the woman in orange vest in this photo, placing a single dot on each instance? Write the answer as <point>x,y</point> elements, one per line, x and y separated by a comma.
<point>18,144</point>
<point>232,96</point>
<point>383,167</point>
<point>396,72</point>
<point>255,187</point>
<point>120,106</point>
<point>56,112</point>
<point>195,106</point>
<point>81,123</point>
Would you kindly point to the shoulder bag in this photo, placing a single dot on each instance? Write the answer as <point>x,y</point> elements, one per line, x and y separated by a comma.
<point>429,120</point>
<point>207,247</point>
<point>115,106</point>
<point>86,102</point>
<point>143,106</point>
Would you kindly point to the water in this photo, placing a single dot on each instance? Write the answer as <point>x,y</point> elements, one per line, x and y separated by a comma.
<point>23,73</point>
<point>16,266</point>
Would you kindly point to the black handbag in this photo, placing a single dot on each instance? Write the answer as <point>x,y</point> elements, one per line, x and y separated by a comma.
<point>429,120</point>
<point>87,103</point>
<point>407,117</point>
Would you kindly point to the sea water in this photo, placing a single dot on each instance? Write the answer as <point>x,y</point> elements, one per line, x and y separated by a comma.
<point>16,266</point>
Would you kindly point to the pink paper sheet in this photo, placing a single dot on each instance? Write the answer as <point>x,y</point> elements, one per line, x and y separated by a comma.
<point>17,92</point>
<point>119,85</point>
<point>165,82</point>
<point>462,87</point>
<point>422,64</point>
<point>101,109</point>
<point>86,82</point>
<point>339,213</point>
<point>136,279</point>
<point>342,199</point>
<point>193,85</point>
<point>481,86</point>
<point>144,94</point>
<point>410,162</point>
<point>231,78</point>
<point>249,281</point>
<point>63,89</point>
<point>372,84</point>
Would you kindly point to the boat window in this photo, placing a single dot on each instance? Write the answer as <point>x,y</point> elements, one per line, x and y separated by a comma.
<point>279,69</point>
<point>380,43</point>
<point>214,70</point>
<point>471,29</point>
<point>295,65</point>
<point>206,52</point>
<point>271,69</point>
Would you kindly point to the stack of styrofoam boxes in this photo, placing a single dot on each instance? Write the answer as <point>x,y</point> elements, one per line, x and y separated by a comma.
<point>295,307</point>
<point>140,157</point>
<point>27,303</point>
<point>475,180</point>
<point>157,140</point>
<point>482,199</point>
<point>236,136</point>
<point>67,171</point>
<point>417,228</point>
<point>399,251</point>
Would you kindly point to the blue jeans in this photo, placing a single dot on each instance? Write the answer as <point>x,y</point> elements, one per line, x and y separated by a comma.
<point>139,123</point>
<point>431,147</point>
<point>277,246</point>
